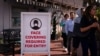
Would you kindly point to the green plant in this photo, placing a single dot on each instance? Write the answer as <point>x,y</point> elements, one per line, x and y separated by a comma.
<point>98,13</point>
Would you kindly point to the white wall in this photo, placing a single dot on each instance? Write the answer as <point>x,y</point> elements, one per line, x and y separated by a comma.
<point>4,15</point>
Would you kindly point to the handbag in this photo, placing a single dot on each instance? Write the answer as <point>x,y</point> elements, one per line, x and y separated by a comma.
<point>77,31</point>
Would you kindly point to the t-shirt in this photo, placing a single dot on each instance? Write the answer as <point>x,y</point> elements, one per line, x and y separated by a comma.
<point>86,22</point>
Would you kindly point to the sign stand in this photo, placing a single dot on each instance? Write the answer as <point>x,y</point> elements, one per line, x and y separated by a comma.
<point>35,32</point>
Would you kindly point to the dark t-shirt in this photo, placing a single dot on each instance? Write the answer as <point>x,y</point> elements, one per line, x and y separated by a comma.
<point>86,21</point>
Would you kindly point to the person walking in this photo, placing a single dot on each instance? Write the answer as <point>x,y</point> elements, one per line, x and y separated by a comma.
<point>77,39</point>
<point>69,30</point>
<point>89,25</point>
<point>64,35</point>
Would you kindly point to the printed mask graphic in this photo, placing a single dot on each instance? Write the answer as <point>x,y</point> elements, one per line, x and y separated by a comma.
<point>35,24</point>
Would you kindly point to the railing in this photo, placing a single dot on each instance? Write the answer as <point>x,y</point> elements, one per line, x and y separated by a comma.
<point>10,38</point>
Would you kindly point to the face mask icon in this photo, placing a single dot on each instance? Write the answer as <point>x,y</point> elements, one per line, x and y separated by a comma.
<point>35,24</point>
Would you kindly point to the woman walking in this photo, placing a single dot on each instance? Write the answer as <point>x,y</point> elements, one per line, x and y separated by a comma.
<point>89,25</point>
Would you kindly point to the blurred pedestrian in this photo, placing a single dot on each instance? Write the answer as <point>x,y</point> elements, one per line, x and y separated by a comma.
<point>69,30</point>
<point>64,36</point>
<point>89,24</point>
<point>77,39</point>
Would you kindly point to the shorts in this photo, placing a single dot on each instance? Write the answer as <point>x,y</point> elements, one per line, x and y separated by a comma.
<point>76,42</point>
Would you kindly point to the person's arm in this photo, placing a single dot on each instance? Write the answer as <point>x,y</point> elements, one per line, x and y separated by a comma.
<point>83,24</point>
<point>84,29</point>
<point>94,25</point>
<point>66,28</point>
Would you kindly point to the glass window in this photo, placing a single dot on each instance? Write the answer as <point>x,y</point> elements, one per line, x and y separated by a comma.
<point>16,16</point>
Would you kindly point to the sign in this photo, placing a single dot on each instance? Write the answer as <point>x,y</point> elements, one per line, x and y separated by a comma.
<point>35,32</point>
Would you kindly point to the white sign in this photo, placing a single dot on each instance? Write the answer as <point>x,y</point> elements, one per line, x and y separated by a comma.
<point>35,32</point>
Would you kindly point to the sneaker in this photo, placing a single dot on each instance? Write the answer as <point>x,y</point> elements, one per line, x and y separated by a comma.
<point>66,50</point>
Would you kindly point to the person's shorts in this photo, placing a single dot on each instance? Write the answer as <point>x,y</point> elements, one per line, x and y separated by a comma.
<point>76,42</point>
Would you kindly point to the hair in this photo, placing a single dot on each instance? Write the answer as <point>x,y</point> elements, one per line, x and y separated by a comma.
<point>66,15</point>
<point>72,12</point>
<point>88,10</point>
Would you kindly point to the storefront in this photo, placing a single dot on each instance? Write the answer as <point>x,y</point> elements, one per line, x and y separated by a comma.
<point>10,10</point>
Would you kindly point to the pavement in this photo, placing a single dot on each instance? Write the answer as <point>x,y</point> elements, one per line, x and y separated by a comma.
<point>56,49</point>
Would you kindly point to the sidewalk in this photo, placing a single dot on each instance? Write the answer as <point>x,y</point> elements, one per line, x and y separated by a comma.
<point>56,50</point>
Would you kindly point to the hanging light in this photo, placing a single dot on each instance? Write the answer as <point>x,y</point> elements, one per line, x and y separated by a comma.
<point>36,3</point>
<point>24,1</point>
<point>39,4</point>
<point>46,0</point>
<point>33,2</point>
<point>17,0</point>
<point>96,0</point>
<point>30,1</point>
<point>27,1</point>
<point>21,0</point>
<point>87,4</point>
<point>55,6</point>
<point>44,5</point>
<point>99,1</point>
